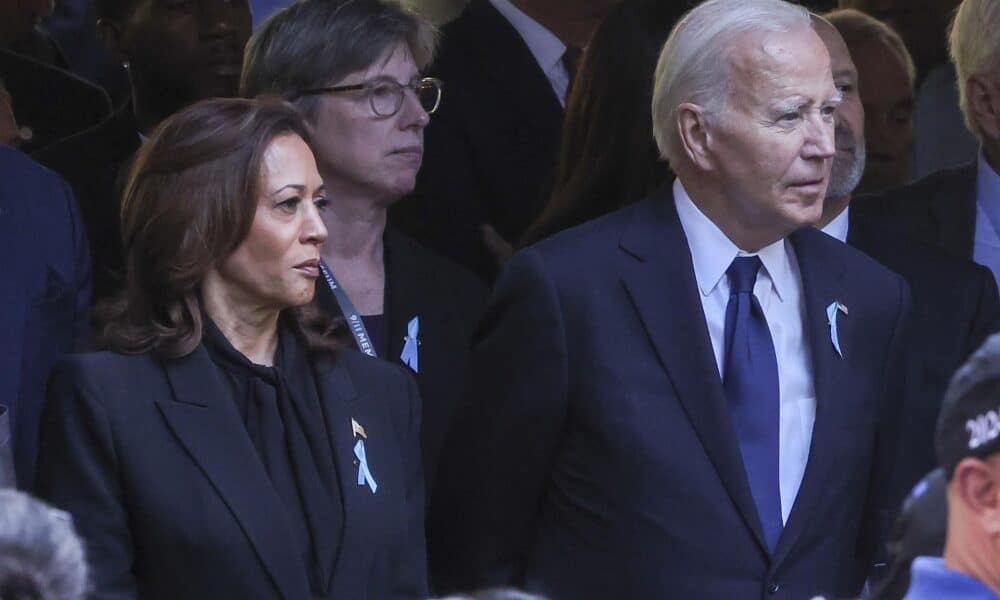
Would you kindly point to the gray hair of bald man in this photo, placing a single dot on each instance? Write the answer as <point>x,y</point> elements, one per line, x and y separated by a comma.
<point>41,556</point>
<point>974,47</point>
<point>694,64</point>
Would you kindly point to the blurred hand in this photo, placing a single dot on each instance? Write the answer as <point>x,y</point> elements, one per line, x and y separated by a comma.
<point>500,248</point>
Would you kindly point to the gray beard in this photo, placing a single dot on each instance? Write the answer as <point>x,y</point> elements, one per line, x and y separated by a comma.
<point>845,175</point>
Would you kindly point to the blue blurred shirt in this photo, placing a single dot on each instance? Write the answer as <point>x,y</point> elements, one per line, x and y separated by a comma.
<point>932,580</point>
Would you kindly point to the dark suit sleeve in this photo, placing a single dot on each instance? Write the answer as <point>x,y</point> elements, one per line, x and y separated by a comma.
<point>497,464</point>
<point>987,318</point>
<point>78,472</point>
<point>81,269</point>
<point>412,578</point>
<point>884,493</point>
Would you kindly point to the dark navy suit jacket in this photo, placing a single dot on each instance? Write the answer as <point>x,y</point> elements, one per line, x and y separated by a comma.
<point>597,458</point>
<point>939,209</point>
<point>44,291</point>
<point>491,147</point>
<point>165,486</point>
<point>955,308</point>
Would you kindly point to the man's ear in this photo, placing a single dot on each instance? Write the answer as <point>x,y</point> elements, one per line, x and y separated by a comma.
<point>694,133</point>
<point>983,96</point>
<point>109,31</point>
<point>977,484</point>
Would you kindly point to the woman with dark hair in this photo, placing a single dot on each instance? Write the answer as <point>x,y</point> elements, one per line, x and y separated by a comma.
<point>224,446</point>
<point>353,67</point>
<point>607,157</point>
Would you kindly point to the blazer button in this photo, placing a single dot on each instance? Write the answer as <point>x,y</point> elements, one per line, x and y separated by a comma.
<point>774,588</point>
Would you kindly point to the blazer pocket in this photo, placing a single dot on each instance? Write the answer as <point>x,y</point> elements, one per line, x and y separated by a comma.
<point>54,291</point>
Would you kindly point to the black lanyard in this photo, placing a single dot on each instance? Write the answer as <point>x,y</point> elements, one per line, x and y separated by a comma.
<point>351,315</point>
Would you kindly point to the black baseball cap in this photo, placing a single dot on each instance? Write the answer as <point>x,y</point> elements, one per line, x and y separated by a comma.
<point>969,423</point>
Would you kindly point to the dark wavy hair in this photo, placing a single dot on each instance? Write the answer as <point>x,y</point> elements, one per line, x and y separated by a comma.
<point>608,158</point>
<point>189,202</point>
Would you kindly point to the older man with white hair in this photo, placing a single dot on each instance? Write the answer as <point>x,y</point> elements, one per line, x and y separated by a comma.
<point>693,397</point>
<point>959,209</point>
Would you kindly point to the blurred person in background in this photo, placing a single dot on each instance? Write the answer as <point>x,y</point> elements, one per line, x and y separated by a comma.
<point>940,139</point>
<point>44,292</point>
<point>608,158</point>
<point>176,53</point>
<point>886,76</point>
<point>958,209</point>
<point>954,300</point>
<point>20,32</point>
<point>353,67</point>
<point>41,557</point>
<point>491,148</point>
<point>225,445</point>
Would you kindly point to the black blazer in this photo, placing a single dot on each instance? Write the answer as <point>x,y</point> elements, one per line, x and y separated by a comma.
<point>52,102</point>
<point>955,308</point>
<point>597,458</point>
<point>95,163</point>
<point>166,489</point>
<point>491,147</point>
<point>449,301</point>
<point>939,209</point>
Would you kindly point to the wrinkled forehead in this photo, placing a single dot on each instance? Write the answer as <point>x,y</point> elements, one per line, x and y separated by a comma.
<point>766,67</point>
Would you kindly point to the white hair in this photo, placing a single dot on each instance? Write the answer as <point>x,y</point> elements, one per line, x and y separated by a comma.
<point>694,64</point>
<point>974,47</point>
<point>40,554</point>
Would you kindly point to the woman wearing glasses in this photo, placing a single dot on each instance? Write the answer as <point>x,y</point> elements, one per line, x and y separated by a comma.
<point>353,67</point>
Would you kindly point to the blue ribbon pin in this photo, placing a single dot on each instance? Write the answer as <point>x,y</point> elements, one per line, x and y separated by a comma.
<point>831,317</point>
<point>364,474</point>
<point>409,356</point>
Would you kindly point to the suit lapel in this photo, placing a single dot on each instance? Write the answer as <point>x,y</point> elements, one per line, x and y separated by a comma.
<point>361,507</point>
<point>822,284</point>
<point>658,274</point>
<point>213,432</point>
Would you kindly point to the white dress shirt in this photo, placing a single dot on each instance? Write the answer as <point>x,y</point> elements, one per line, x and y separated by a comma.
<point>778,289</point>
<point>839,226</point>
<point>986,240</point>
<point>544,45</point>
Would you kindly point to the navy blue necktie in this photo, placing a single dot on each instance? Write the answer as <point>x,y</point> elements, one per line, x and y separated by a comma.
<point>751,385</point>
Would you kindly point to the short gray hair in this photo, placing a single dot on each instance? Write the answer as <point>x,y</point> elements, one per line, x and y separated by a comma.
<point>694,64</point>
<point>40,554</point>
<point>316,43</point>
<point>974,47</point>
<point>857,28</point>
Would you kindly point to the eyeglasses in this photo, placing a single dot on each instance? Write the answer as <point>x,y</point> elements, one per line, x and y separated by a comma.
<point>386,95</point>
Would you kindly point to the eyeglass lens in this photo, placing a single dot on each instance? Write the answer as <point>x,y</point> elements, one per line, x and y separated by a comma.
<point>387,97</point>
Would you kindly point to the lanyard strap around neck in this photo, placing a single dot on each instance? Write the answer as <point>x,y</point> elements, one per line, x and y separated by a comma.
<point>358,330</point>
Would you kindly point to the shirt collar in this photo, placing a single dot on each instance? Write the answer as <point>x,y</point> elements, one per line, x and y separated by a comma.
<point>931,578</point>
<point>838,227</point>
<point>712,252</point>
<point>543,44</point>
